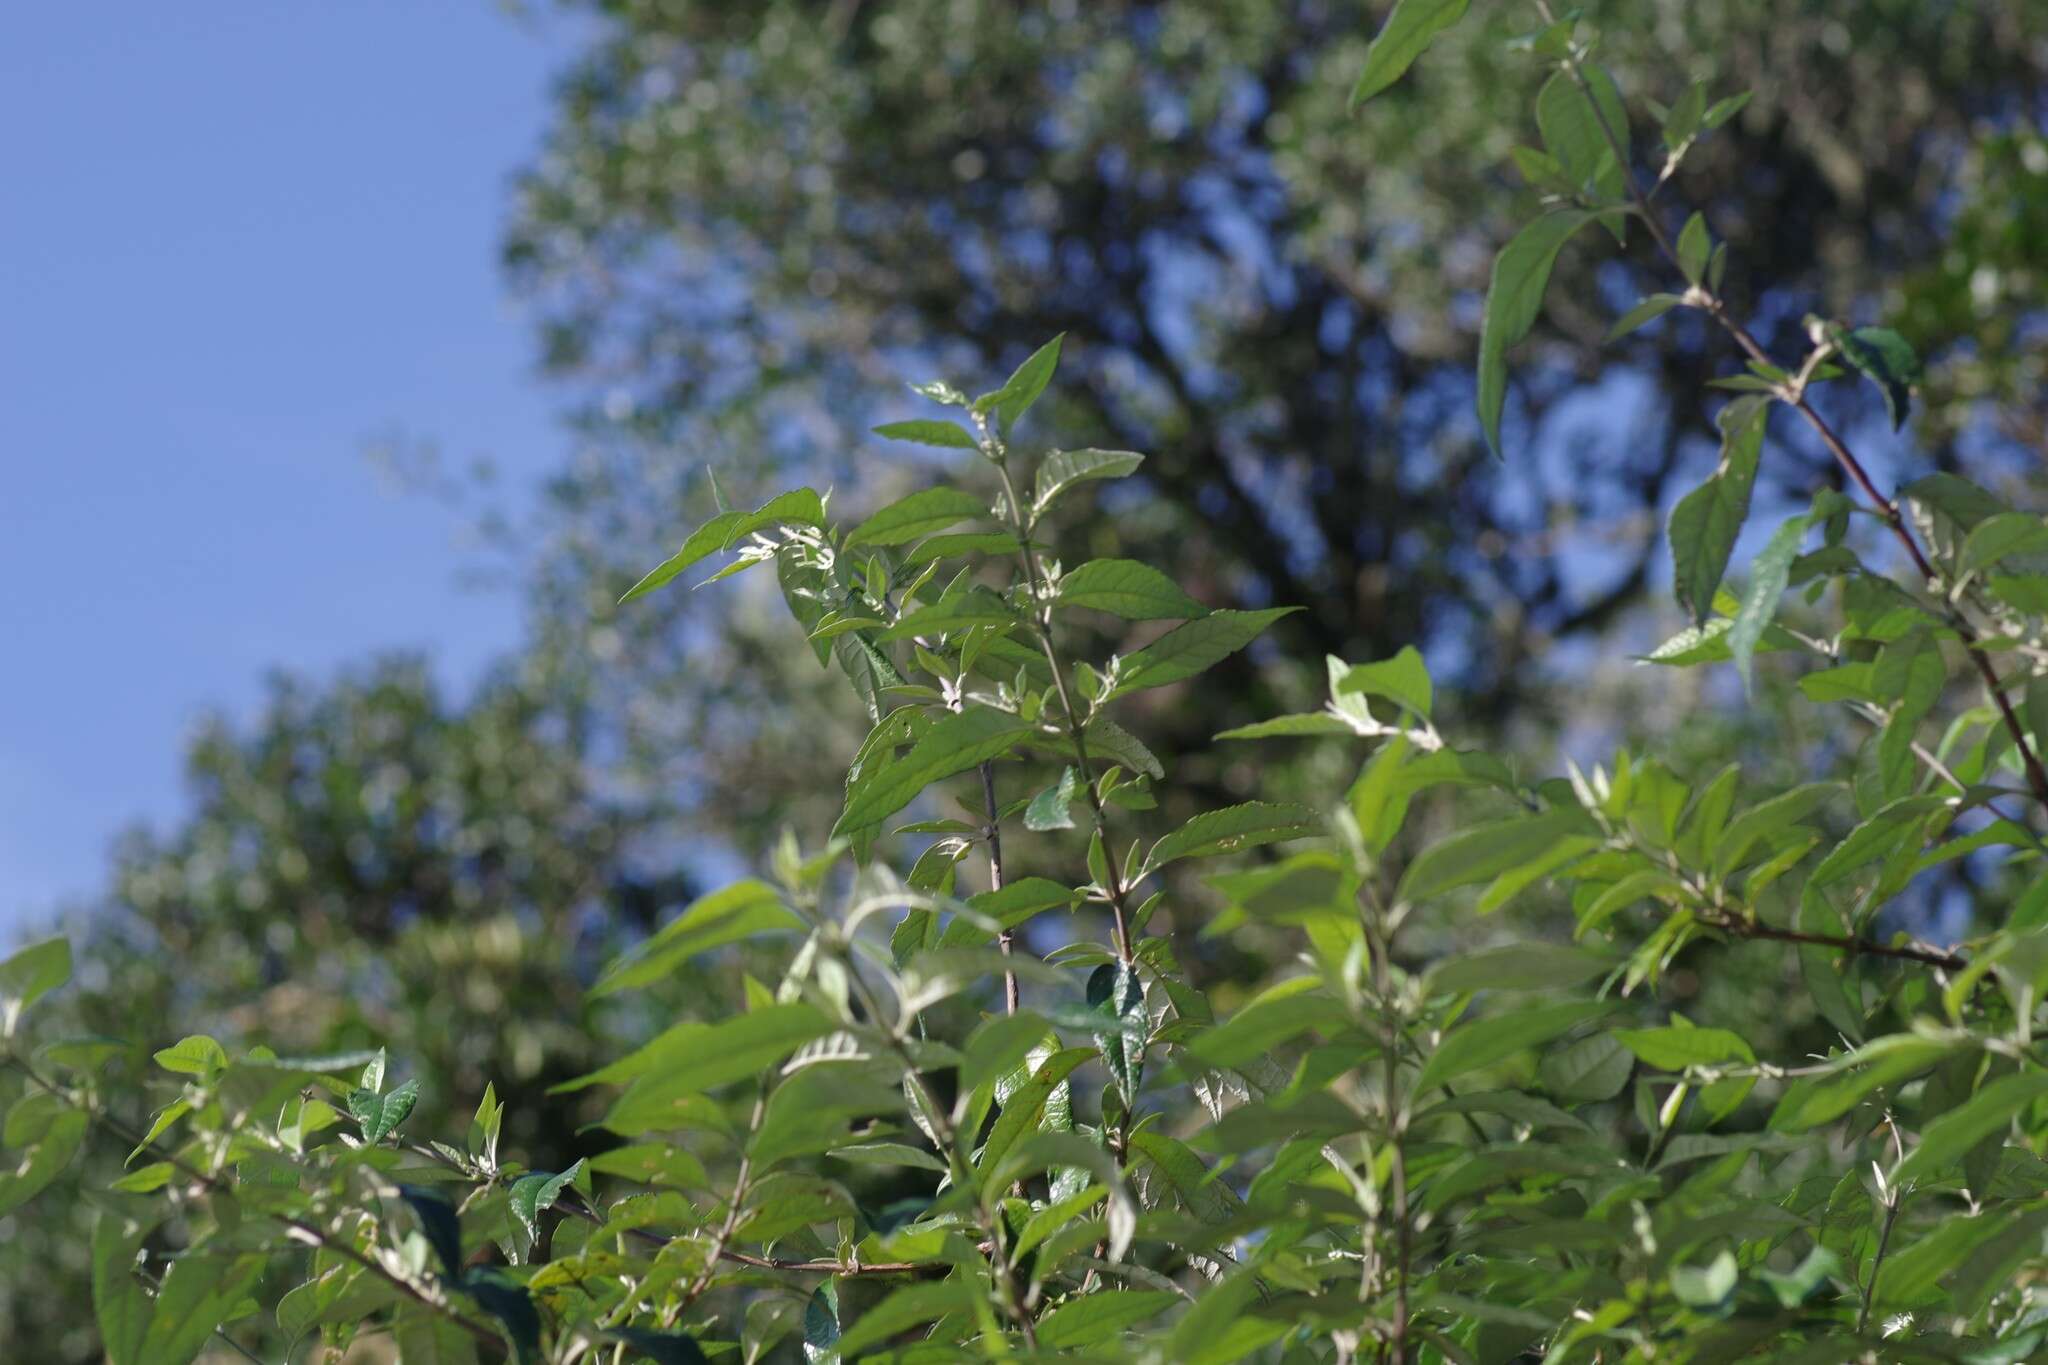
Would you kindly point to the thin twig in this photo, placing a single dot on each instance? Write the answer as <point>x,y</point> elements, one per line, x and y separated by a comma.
<point>1887,508</point>
<point>298,1227</point>
<point>1004,937</point>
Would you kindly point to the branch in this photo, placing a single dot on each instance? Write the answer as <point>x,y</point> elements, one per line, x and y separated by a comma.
<point>1887,508</point>
<point>1859,947</point>
<point>299,1227</point>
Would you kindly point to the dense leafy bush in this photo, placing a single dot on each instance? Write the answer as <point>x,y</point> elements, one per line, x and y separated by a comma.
<point>1013,1121</point>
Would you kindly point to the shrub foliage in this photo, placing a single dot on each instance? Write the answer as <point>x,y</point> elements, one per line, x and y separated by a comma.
<point>985,1107</point>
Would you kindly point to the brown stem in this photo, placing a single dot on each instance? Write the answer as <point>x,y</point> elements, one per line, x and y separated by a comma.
<point>1886,507</point>
<point>1117,892</point>
<point>301,1229</point>
<point>995,875</point>
<point>1862,947</point>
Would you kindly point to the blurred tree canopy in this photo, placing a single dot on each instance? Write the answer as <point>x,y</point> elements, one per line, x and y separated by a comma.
<point>748,218</point>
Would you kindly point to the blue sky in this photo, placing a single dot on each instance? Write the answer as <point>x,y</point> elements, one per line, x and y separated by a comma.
<point>242,242</point>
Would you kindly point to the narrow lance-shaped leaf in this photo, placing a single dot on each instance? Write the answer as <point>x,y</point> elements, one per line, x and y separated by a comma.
<point>928,431</point>
<point>1115,993</point>
<point>29,975</point>
<point>1767,576</point>
<point>1021,390</point>
<point>1513,298</point>
<point>1406,35</point>
<point>920,514</point>
<point>1194,647</point>
<point>801,506</point>
<point>1706,522</point>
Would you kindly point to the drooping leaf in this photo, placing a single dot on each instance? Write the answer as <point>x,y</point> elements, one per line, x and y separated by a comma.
<point>1706,522</point>
<point>1406,35</point>
<point>30,1172</point>
<point>30,974</point>
<point>1513,298</point>
<point>1767,575</point>
<point>1049,810</point>
<point>1888,360</point>
<point>1118,997</point>
<point>732,1049</point>
<point>438,1224</point>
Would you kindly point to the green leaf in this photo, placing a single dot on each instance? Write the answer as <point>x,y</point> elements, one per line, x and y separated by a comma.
<point>1516,967</point>
<point>30,974</point>
<point>1887,1061</point>
<point>928,431</point>
<point>1767,575</point>
<point>1115,994</point>
<point>1127,588</point>
<point>119,1303</point>
<point>1063,469</point>
<point>920,514</point>
<point>1274,1016</point>
<point>1021,389</point>
<point>379,1115</point>
<point>1232,829</point>
<point>23,1178</point>
<point>1648,311</point>
<point>194,1055</point>
<point>1986,1114</point>
<point>821,1324</point>
<point>197,1294</point>
<point>1485,851</point>
<point>1706,522</point>
<point>955,744</point>
<point>961,543</point>
<point>1694,246</point>
<point>800,506</point>
<point>1573,133</point>
<point>1049,809</point>
<point>535,1193</point>
<point>1193,648</point>
<point>999,1046</point>
<point>740,911</point>
<point>439,1224</point>
<point>1486,1041</point>
<point>1705,1286</point>
<point>1407,34</point>
<point>689,1059</point>
<point>663,1348</point>
<point>910,1306</point>
<point>507,1300</point>
<point>1513,298</point>
<point>1403,680</point>
<point>1026,1103</point>
<point>1676,1048</point>
<point>1095,1319</point>
<point>1888,360</point>
<point>1593,1069</point>
<point>1307,724</point>
<point>955,612</point>
<point>2000,536</point>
